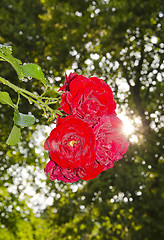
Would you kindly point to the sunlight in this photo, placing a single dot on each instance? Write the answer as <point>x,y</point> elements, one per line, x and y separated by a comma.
<point>128,126</point>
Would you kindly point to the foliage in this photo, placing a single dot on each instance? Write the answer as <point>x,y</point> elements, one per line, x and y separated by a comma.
<point>29,71</point>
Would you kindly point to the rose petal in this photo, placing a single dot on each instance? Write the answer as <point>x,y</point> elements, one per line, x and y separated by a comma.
<point>65,175</point>
<point>49,166</point>
<point>46,145</point>
<point>91,171</point>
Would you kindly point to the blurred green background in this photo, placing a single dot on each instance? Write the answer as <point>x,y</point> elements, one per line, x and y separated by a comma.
<point>122,42</point>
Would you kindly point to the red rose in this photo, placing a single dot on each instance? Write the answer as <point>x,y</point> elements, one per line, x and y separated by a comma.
<point>111,143</point>
<point>56,172</point>
<point>87,99</point>
<point>71,143</point>
<point>90,139</point>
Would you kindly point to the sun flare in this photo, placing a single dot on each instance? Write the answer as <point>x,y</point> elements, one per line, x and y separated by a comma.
<point>128,126</point>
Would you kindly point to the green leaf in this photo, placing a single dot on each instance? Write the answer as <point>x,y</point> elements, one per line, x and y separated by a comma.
<point>19,61</point>
<point>5,99</point>
<point>23,120</point>
<point>32,70</point>
<point>5,48</point>
<point>14,136</point>
<point>6,54</point>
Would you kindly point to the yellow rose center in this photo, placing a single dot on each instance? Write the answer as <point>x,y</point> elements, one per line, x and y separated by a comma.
<point>72,143</point>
